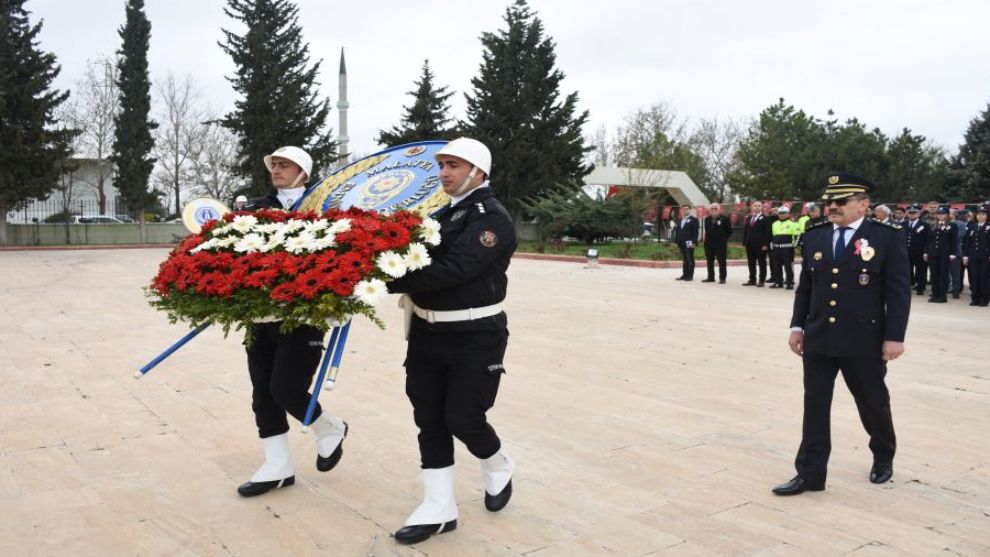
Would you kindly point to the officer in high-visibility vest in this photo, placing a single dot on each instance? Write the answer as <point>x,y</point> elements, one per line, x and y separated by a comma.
<point>784,238</point>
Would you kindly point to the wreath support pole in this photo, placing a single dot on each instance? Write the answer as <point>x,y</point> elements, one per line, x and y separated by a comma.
<point>333,352</point>
<point>168,351</point>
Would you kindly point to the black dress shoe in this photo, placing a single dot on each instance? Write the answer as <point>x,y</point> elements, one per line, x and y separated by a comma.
<point>790,287</point>
<point>679,278</point>
<point>799,485</point>
<point>421,532</point>
<point>940,301</point>
<point>776,285</point>
<point>498,502</point>
<point>760,284</point>
<point>750,283</point>
<point>881,472</point>
<point>919,292</point>
<point>955,295</point>
<point>327,464</point>
<point>721,281</point>
<point>973,303</point>
<point>250,489</point>
<point>708,280</point>
<point>688,279</point>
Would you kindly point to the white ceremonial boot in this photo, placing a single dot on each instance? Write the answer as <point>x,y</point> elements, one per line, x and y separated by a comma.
<point>438,511</point>
<point>497,470</point>
<point>330,432</point>
<point>277,470</point>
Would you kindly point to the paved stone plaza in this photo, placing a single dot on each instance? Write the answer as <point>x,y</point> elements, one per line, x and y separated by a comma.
<point>646,417</point>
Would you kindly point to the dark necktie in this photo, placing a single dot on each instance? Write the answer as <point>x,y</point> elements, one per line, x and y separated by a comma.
<point>840,244</point>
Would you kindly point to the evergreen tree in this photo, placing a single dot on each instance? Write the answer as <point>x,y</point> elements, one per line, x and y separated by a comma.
<point>278,89</point>
<point>132,135</point>
<point>515,109</point>
<point>427,117</point>
<point>32,148</point>
<point>974,159</point>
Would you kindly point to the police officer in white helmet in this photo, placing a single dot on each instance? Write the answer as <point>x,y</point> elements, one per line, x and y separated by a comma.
<point>282,365</point>
<point>457,340</point>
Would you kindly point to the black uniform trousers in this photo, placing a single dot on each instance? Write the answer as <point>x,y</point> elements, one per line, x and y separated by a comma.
<point>979,280</point>
<point>282,366</point>
<point>919,271</point>
<point>754,256</point>
<point>452,379</point>
<point>940,276</point>
<point>865,379</point>
<point>717,251</point>
<point>783,266</point>
<point>687,260</point>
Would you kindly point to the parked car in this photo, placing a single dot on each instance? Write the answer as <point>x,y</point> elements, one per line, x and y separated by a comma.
<point>124,218</point>
<point>95,219</point>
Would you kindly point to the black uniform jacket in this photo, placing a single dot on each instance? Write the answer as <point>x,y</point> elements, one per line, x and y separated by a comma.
<point>847,308</point>
<point>976,245</point>
<point>477,239</point>
<point>717,230</point>
<point>917,236</point>
<point>942,240</point>
<point>269,201</point>
<point>757,235</point>
<point>687,231</point>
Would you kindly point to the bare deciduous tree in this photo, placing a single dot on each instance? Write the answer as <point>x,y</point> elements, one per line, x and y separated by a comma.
<point>717,141</point>
<point>212,167</point>
<point>177,137</point>
<point>98,102</point>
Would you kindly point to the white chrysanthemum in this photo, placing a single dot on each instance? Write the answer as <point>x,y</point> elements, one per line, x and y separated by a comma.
<point>297,244</point>
<point>209,244</point>
<point>220,229</point>
<point>342,225</point>
<point>227,242</point>
<point>317,225</point>
<point>370,291</point>
<point>249,243</point>
<point>268,227</point>
<point>244,223</point>
<point>416,257</point>
<point>430,231</point>
<point>391,264</point>
<point>271,244</point>
<point>292,225</point>
<point>325,242</point>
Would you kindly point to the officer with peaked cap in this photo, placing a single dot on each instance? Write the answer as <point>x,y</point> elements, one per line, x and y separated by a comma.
<point>940,252</point>
<point>282,365</point>
<point>977,258</point>
<point>917,238</point>
<point>850,314</point>
<point>457,340</point>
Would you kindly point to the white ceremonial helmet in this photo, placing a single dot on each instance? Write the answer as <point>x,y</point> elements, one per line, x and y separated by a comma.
<point>241,198</point>
<point>294,154</point>
<point>470,150</point>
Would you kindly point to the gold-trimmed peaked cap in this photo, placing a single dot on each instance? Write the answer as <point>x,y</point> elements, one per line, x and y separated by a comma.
<point>841,185</point>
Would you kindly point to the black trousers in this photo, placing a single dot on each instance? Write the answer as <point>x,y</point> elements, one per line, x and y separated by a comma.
<point>687,260</point>
<point>754,256</point>
<point>919,271</point>
<point>282,368</point>
<point>452,380</point>
<point>940,276</point>
<point>979,280</point>
<point>956,276</point>
<point>783,266</point>
<point>865,379</point>
<point>717,251</point>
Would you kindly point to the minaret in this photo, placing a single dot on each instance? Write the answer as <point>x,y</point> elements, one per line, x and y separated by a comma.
<point>343,152</point>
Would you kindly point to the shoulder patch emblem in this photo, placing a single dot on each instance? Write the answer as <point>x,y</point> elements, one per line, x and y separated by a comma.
<point>488,239</point>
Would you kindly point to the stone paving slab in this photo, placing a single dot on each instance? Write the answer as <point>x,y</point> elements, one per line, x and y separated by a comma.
<point>646,416</point>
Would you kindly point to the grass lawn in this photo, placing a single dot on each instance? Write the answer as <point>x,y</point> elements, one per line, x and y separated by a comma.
<point>647,250</point>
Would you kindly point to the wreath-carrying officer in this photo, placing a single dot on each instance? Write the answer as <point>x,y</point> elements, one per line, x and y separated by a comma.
<point>850,313</point>
<point>457,339</point>
<point>977,259</point>
<point>282,365</point>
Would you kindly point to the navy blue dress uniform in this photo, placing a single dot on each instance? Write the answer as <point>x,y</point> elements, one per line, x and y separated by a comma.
<point>940,250</point>
<point>282,365</point>
<point>977,250</point>
<point>718,229</point>
<point>849,301</point>
<point>687,240</point>
<point>917,230</point>
<point>756,240</point>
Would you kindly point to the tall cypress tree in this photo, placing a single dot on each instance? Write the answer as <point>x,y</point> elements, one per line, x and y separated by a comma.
<point>278,88</point>
<point>427,117</point>
<point>132,135</point>
<point>515,109</point>
<point>974,158</point>
<point>32,147</point>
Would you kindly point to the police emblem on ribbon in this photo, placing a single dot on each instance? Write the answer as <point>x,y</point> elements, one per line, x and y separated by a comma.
<point>400,177</point>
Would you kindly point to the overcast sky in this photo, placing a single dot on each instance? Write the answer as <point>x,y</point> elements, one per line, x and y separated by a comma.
<point>893,63</point>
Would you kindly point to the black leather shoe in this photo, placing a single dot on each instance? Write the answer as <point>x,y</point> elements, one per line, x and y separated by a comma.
<point>799,485</point>
<point>721,281</point>
<point>421,532</point>
<point>750,283</point>
<point>789,287</point>
<point>760,284</point>
<point>327,464</point>
<point>940,301</point>
<point>776,285</point>
<point>687,279</point>
<point>250,489</point>
<point>498,502</point>
<point>709,280</point>
<point>955,295</point>
<point>881,472</point>
<point>973,303</point>
<point>919,292</point>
